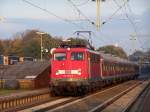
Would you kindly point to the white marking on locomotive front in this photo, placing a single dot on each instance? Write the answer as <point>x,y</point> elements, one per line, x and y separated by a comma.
<point>60,72</point>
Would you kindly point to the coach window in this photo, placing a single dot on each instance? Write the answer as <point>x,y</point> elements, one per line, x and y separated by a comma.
<point>60,56</point>
<point>77,56</point>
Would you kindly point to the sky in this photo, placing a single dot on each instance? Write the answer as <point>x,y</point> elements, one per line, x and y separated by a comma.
<point>63,19</point>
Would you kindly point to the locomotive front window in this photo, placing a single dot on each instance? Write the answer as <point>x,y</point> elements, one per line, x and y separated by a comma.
<point>77,56</point>
<point>60,56</point>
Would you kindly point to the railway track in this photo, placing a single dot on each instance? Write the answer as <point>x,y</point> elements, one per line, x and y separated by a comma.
<point>41,101</point>
<point>98,101</point>
<point>95,102</point>
<point>141,102</point>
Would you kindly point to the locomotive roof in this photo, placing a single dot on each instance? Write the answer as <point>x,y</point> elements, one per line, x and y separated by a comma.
<point>115,59</point>
<point>66,49</point>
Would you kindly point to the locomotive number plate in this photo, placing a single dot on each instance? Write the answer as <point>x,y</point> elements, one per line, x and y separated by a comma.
<point>68,72</point>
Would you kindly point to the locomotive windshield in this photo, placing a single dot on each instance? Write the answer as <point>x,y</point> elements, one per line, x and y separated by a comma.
<point>60,56</point>
<point>77,56</point>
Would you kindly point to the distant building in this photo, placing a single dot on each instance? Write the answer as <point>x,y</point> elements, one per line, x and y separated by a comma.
<point>4,60</point>
<point>13,59</point>
<point>10,60</point>
<point>22,59</point>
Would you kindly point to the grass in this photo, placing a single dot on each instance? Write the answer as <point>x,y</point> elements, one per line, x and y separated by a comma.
<point>9,91</point>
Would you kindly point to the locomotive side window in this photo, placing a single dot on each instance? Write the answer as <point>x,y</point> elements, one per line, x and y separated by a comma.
<point>60,56</point>
<point>95,58</point>
<point>77,56</point>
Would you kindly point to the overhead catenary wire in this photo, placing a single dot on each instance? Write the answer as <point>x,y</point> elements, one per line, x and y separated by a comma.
<point>83,3</point>
<point>75,6</point>
<point>110,17</point>
<point>130,20</point>
<point>120,7</point>
<point>51,13</point>
<point>79,19</point>
<point>80,12</point>
<point>133,24</point>
<point>128,5</point>
<point>66,20</point>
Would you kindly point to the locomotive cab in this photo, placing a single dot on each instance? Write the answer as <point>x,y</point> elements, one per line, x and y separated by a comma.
<point>69,69</point>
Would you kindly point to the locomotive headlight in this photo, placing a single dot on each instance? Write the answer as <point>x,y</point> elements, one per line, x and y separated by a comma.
<point>68,49</point>
<point>52,50</point>
<point>57,72</point>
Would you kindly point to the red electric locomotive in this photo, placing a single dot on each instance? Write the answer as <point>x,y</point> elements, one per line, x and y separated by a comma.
<point>79,70</point>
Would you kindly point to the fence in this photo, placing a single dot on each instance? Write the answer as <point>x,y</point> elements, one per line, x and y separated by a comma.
<point>21,100</point>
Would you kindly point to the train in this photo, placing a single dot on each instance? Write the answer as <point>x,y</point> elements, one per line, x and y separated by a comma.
<point>79,70</point>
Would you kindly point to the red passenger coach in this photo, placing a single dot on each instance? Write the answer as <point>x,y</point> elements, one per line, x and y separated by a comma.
<point>80,70</point>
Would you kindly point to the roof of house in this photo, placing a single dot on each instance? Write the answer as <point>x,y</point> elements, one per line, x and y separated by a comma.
<point>26,70</point>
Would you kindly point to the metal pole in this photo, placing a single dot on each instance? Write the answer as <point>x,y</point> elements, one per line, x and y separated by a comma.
<point>98,3</point>
<point>2,74</point>
<point>41,33</point>
<point>41,49</point>
<point>133,39</point>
